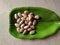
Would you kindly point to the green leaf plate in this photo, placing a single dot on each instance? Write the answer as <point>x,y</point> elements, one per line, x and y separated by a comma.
<point>47,25</point>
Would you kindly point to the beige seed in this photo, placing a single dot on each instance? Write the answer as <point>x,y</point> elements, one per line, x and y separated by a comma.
<point>22,25</point>
<point>22,18</point>
<point>27,19</point>
<point>26,27</point>
<point>32,32</point>
<point>29,23</point>
<point>36,17</point>
<point>21,30</point>
<point>24,15</point>
<point>18,29</point>
<point>25,31</point>
<point>15,16</point>
<point>30,14</point>
<point>32,27</point>
<point>26,12</point>
<point>17,25</point>
<point>29,29</point>
<point>18,20</point>
<point>30,17</point>
<point>26,22</point>
<point>19,14</point>
<point>34,22</point>
<point>21,22</point>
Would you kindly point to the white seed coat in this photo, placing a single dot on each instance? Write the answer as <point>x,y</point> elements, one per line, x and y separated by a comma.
<point>21,22</point>
<point>22,18</point>
<point>21,30</point>
<point>32,27</point>
<point>22,25</point>
<point>32,32</point>
<point>29,29</point>
<point>26,22</point>
<point>15,16</point>
<point>19,14</point>
<point>18,29</point>
<point>30,17</point>
<point>25,31</point>
<point>27,19</point>
<point>17,25</point>
<point>18,20</point>
<point>34,22</point>
<point>26,27</point>
<point>24,15</point>
<point>36,17</point>
<point>29,23</point>
<point>26,12</point>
